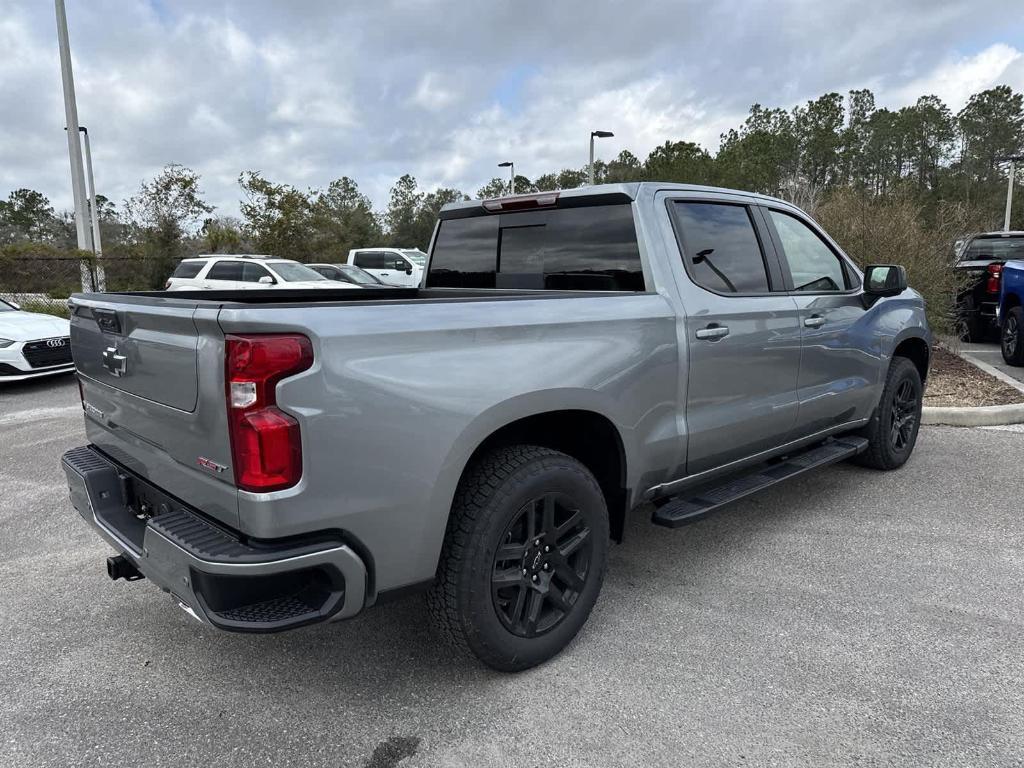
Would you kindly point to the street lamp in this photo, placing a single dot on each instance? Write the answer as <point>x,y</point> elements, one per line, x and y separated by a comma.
<point>511,175</point>
<point>596,135</point>
<point>97,248</point>
<point>1012,160</point>
<point>74,145</point>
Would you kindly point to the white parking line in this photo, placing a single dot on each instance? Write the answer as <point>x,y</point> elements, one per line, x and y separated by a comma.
<point>38,414</point>
<point>1008,428</point>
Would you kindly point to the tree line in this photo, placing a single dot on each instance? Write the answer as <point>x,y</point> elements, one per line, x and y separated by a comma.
<point>828,147</point>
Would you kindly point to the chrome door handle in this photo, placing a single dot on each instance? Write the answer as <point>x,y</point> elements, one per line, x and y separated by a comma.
<point>712,332</point>
<point>814,321</point>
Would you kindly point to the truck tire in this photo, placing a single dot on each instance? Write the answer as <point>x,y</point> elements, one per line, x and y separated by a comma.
<point>523,559</point>
<point>973,327</point>
<point>892,431</point>
<point>1011,342</point>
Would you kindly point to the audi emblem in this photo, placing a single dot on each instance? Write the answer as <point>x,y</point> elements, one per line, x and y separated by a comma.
<point>54,343</point>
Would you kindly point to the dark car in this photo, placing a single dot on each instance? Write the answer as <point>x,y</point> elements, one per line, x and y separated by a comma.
<point>347,273</point>
<point>981,258</point>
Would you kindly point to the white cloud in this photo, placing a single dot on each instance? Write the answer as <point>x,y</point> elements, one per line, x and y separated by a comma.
<point>956,78</point>
<point>376,90</point>
<point>433,93</point>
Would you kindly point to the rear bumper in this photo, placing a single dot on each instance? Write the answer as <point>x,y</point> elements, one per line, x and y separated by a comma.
<point>984,310</point>
<point>235,584</point>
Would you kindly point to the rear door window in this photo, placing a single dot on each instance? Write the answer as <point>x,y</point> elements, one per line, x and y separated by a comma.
<point>226,270</point>
<point>720,247</point>
<point>376,260</point>
<point>188,269</point>
<point>591,248</point>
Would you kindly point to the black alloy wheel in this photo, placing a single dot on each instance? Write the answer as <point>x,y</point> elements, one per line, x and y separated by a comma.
<point>524,556</point>
<point>903,415</point>
<point>1011,338</point>
<point>542,565</point>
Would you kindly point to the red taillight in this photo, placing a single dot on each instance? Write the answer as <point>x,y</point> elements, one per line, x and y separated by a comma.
<point>266,447</point>
<point>995,272</point>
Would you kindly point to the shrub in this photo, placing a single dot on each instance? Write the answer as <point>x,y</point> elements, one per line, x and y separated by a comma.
<point>897,230</point>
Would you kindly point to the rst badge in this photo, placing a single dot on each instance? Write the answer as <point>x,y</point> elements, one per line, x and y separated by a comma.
<point>114,362</point>
<point>210,464</point>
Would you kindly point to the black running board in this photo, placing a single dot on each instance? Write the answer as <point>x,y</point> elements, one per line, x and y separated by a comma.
<point>697,503</point>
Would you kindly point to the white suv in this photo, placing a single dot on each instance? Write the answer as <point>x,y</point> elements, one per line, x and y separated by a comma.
<point>245,272</point>
<point>394,266</point>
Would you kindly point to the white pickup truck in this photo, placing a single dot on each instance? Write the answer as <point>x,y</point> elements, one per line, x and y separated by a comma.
<point>402,267</point>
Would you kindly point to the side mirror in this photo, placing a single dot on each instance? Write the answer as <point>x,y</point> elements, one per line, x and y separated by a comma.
<point>267,280</point>
<point>884,280</point>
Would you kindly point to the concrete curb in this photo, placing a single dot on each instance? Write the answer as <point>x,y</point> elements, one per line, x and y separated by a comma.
<point>982,416</point>
<point>978,416</point>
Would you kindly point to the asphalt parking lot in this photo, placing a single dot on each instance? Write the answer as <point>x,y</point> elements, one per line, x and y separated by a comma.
<point>849,617</point>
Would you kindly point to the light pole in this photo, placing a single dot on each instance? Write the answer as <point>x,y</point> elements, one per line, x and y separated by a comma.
<point>596,135</point>
<point>97,248</point>
<point>74,145</point>
<point>511,175</point>
<point>1012,160</point>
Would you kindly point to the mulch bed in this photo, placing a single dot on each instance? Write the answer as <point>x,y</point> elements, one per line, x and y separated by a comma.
<point>953,381</point>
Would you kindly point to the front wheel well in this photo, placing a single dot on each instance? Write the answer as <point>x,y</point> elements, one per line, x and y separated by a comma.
<point>916,350</point>
<point>589,437</point>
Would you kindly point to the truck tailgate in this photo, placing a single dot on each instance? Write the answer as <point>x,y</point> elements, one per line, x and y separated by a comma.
<point>152,375</point>
<point>146,351</point>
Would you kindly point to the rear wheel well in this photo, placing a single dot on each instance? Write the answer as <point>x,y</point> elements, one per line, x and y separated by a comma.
<point>588,437</point>
<point>916,350</point>
<point>1012,300</point>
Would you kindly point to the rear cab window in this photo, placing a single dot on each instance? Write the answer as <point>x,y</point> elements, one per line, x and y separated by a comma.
<point>996,247</point>
<point>588,248</point>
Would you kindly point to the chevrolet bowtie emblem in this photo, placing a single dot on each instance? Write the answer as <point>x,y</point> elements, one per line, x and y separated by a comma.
<point>115,363</point>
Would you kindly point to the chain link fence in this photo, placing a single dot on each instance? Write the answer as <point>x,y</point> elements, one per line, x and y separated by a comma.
<point>43,282</point>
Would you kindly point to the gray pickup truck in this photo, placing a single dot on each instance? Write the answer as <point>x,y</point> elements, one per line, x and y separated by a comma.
<point>273,459</point>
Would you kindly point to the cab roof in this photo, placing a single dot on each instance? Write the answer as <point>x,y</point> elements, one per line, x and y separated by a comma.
<point>621,193</point>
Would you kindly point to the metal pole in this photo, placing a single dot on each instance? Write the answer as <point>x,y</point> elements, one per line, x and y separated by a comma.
<point>591,166</point>
<point>94,214</point>
<point>512,178</point>
<point>1009,197</point>
<point>74,143</point>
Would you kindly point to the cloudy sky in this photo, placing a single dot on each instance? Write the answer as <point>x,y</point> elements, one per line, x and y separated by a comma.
<point>310,90</point>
